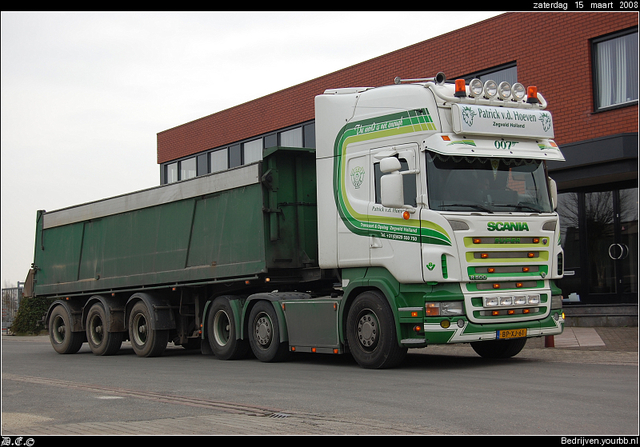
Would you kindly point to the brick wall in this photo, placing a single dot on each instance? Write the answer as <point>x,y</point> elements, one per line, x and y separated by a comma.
<point>552,51</point>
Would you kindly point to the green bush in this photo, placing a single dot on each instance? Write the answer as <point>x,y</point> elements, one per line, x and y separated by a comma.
<point>30,317</point>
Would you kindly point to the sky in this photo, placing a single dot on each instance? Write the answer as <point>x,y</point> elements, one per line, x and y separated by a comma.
<point>84,94</point>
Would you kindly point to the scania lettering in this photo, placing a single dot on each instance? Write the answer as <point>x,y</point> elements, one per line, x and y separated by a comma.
<point>507,226</point>
<point>381,239</point>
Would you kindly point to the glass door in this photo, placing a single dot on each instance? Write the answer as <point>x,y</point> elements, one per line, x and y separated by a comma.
<point>599,233</point>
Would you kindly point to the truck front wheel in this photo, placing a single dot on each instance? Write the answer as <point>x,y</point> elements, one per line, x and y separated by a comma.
<point>62,339</point>
<point>223,333</point>
<point>371,332</point>
<point>499,349</point>
<point>264,334</point>
<point>146,342</point>
<point>100,341</point>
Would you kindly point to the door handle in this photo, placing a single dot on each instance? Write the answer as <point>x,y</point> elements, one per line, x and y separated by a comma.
<point>623,251</point>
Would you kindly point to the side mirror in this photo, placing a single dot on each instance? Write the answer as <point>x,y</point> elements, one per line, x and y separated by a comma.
<point>553,189</point>
<point>391,184</point>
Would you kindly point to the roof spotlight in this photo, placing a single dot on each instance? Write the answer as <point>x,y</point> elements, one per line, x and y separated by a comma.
<point>475,88</point>
<point>504,90</point>
<point>490,89</point>
<point>518,92</point>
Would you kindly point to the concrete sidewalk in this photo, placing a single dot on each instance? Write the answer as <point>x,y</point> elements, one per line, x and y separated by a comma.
<point>592,338</point>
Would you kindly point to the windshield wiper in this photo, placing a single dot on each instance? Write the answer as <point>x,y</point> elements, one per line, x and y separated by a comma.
<point>471,205</point>
<point>521,206</point>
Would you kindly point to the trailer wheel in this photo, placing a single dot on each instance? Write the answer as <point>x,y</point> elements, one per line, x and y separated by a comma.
<point>223,333</point>
<point>100,341</point>
<point>264,334</point>
<point>499,349</point>
<point>146,342</point>
<point>371,333</point>
<point>62,339</point>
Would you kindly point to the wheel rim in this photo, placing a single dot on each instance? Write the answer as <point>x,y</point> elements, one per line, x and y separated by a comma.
<point>140,329</point>
<point>368,330</point>
<point>263,330</point>
<point>221,328</point>
<point>58,329</point>
<point>96,332</point>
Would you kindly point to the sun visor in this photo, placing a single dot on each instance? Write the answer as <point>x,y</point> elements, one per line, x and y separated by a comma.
<point>458,145</point>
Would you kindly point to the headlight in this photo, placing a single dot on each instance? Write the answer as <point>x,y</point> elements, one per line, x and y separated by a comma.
<point>444,309</point>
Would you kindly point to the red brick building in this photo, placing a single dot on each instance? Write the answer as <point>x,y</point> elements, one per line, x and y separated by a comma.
<point>585,65</point>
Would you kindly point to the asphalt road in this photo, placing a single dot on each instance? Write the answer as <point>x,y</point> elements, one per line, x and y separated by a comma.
<point>439,390</point>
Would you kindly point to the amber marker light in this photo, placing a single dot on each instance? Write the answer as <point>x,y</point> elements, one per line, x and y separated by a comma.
<point>414,314</point>
<point>406,215</point>
<point>477,240</point>
<point>496,286</point>
<point>484,255</point>
<point>530,255</point>
<point>525,269</point>
<point>491,270</point>
<point>518,284</point>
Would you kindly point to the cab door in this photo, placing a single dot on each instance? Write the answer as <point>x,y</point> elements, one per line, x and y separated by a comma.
<point>394,234</point>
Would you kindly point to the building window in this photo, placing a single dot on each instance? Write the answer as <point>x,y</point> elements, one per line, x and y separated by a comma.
<point>615,69</point>
<point>235,156</point>
<point>252,151</point>
<point>172,173</point>
<point>219,160</point>
<point>291,138</point>
<point>507,72</point>
<point>188,168</point>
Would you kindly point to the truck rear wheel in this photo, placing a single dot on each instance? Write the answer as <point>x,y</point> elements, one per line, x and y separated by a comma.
<point>62,339</point>
<point>223,333</point>
<point>100,341</point>
<point>371,333</point>
<point>264,334</point>
<point>146,342</point>
<point>499,349</point>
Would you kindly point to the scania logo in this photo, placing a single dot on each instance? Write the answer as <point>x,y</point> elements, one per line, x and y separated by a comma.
<point>507,226</point>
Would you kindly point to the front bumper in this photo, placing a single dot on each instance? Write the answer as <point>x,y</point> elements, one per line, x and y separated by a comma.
<point>443,330</point>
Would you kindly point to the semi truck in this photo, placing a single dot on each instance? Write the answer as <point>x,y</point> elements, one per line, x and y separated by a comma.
<point>424,215</point>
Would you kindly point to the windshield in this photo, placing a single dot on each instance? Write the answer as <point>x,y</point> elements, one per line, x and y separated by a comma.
<point>486,184</point>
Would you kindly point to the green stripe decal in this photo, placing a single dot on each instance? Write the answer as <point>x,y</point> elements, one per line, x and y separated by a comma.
<point>418,120</point>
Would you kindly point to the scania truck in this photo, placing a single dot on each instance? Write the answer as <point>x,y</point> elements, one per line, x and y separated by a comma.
<point>423,216</point>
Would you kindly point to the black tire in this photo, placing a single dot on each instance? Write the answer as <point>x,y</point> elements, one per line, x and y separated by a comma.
<point>371,332</point>
<point>100,341</point>
<point>264,334</point>
<point>62,339</point>
<point>146,342</point>
<point>222,333</point>
<point>499,349</point>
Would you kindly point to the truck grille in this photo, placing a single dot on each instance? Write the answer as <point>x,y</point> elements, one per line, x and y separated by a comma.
<point>506,278</point>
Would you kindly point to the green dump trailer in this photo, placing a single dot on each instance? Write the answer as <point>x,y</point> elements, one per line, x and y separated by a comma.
<point>148,266</point>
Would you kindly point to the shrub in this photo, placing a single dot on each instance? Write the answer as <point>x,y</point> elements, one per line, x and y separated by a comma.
<point>30,317</point>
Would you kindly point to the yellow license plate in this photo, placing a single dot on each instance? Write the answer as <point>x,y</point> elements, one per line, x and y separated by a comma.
<point>511,333</point>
